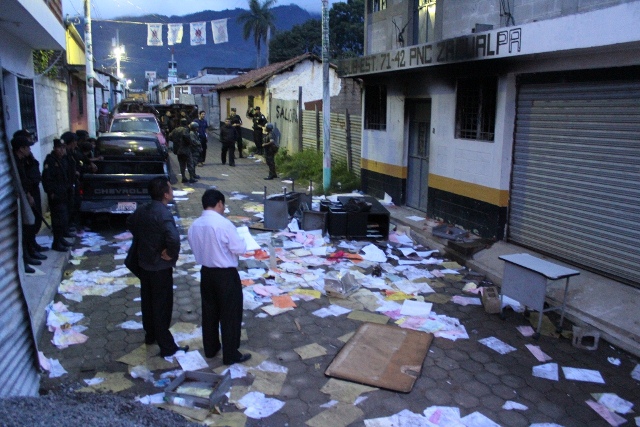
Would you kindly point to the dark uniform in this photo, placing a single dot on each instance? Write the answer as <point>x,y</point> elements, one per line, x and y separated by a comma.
<point>236,122</point>
<point>73,169</point>
<point>202,134</point>
<point>181,140</point>
<point>271,143</point>
<point>195,147</point>
<point>55,180</point>
<point>259,120</point>
<point>228,139</point>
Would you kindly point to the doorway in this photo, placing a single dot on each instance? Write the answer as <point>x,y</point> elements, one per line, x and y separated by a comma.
<point>419,114</point>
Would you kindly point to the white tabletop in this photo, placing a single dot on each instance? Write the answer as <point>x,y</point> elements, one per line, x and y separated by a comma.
<point>548,269</point>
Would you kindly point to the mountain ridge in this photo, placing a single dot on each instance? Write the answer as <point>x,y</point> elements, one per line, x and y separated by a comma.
<point>132,33</point>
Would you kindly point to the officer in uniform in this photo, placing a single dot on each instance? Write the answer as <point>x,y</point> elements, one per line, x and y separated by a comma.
<point>181,140</point>
<point>271,145</point>
<point>236,122</point>
<point>195,147</point>
<point>259,120</point>
<point>55,180</point>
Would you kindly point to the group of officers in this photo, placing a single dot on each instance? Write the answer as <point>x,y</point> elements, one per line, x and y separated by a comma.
<point>71,158</point>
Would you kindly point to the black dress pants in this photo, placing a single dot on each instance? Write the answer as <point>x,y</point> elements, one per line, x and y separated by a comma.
<point>221,293</point>
<point>156,293</point>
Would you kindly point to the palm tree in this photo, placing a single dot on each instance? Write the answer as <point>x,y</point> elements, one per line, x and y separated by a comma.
<point>260,21</point>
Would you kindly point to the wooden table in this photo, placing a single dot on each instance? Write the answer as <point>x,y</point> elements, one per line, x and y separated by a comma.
<point>526,279</point>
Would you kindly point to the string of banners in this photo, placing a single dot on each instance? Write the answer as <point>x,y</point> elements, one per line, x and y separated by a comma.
<point>197,33</point>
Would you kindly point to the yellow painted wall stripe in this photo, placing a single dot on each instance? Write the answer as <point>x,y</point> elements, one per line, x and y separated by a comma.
<point>384,168</point>
<point>467,189</point>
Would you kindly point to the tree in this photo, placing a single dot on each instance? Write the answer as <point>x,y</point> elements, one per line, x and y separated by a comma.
<point>259,20</point>
<point>303,38</point>
<point>346,35</point>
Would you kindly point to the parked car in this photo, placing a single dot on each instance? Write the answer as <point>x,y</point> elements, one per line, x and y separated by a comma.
<point>138,122</point>
<point>128,162</point>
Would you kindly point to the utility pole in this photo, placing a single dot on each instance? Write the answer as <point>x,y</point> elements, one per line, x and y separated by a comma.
<point>88,52</point>
<point>326,100</point>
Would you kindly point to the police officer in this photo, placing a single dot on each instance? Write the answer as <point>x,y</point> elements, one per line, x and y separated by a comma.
<point>195,147</point>
<point>271,145</point>
<point>181,140</point>
<point>202,134</point>
<point>236,122</point>
<point>259,120</point>
<point>55,180</point>
<point>228,139</point>
<point>72,160</point>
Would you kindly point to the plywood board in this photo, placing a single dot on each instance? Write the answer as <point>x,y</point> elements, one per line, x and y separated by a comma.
<point>393,356</point>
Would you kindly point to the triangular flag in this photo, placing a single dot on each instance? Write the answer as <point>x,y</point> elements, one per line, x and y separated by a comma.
<point>219,28</point>
<point>174,35</point>
<point>154,34</point>
<point>198,33</point>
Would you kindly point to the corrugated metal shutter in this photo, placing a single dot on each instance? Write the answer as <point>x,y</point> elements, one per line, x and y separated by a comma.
<point>339,148</point>
<point>576,176</point>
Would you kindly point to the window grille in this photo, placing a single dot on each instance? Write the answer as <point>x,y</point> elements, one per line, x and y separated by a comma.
<point>476,109</point>
<point>27,106</point>
<point>375,107</point>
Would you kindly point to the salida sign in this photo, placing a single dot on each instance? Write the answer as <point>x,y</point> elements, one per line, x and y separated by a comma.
<point>478,46</point>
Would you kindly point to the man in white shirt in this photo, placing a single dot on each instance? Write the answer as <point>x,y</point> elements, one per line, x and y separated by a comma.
<point>216,244</point>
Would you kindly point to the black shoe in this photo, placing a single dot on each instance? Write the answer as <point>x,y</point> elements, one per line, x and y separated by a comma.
<point>36,255</point>
<point>232,164</point>
<point>242,358</point>
<point>28,269</point>
<point>185,349</point>
<point>269,178</point>
<point>193,181</point>
<point>31,261</point>
<point>196,176</point>
<point>66,243</point>
<point>69,235</point>
<point>224,163</point>
<point>60,247</point>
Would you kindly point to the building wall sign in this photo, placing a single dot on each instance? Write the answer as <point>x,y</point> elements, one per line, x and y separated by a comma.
<point>566,33</point>
<point>474,47</point>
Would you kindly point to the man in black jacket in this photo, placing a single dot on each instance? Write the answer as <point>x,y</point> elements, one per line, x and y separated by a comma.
<point>236,122</point>
<point>158,242</point>
<point>259,121</point>
<point>228,139</point>
<point>55,179</point>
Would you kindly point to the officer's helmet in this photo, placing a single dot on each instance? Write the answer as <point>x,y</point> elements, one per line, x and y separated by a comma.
<point>269,126</point>
<point>194,125</point>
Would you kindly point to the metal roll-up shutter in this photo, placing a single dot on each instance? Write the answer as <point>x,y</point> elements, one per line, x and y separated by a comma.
<point>576,174</point>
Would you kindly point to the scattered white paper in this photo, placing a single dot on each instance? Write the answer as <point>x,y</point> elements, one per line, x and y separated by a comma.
<point>611,417</point>
<point>510,404</point>
<point>416,308</point>
<point>526,331</point>
<point>614,361</point>
<point>476,419</point>
<point>635,374</point>
<point>373,253</point>
<point>587,375</point>
<point>251,243</point>
<point>497,345</point>
<point>56,369</point>
<point>131,324</point>
<point>94,381</point>
<point>537,353</point>
<point>547,371</point>
<point>414,218</point>
<point>191,361</point>
<point>151,399</point>
<point>259,406</point>
<point>615,403</point>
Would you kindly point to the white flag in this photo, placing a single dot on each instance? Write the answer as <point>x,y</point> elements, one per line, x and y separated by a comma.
<point>219,28</point>
<point>154,34</point>
<point>198,33</point>
<point>175,34</point>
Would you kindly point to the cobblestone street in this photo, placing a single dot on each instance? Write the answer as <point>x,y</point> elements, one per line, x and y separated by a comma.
<point>461,373</point>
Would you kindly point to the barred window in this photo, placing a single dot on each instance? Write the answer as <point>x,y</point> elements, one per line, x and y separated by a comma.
<point>27,106</point>
<point>375,107</point>
<point>476,108</point>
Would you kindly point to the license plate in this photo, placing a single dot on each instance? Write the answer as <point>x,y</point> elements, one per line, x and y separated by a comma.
<point>126,207</point>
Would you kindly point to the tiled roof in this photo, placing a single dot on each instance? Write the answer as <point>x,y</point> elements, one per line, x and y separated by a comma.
<point>260,75</point>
